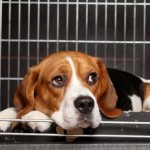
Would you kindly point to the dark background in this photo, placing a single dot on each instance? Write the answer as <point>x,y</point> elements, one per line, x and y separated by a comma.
<point>32,31</point>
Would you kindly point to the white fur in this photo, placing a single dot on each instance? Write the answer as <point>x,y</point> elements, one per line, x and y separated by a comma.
<point>9,113</point>
<point>145,80</point>
<point>136,103</point>
<point>37,126</point>
<point>68,116</point>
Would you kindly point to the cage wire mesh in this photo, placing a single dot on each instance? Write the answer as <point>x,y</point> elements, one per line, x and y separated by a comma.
<point>116,30</point>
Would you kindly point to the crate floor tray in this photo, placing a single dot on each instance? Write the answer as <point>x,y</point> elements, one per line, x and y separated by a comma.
<point>130,127</point>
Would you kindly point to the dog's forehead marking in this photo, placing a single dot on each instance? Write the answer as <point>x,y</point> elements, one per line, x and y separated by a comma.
<point>76,86</point>
<point>70,61</point>
<point>74,76</point>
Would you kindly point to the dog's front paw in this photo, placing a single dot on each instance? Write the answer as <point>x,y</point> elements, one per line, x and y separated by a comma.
<point>37,126</point>
<point>9,113</point>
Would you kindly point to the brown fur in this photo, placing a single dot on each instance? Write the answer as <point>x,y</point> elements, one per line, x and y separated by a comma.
<point>145,90</point>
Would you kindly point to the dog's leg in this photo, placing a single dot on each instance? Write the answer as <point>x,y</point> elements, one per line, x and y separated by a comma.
<point>9,113</point>
<point>146,96</point>
<point>37,126</point>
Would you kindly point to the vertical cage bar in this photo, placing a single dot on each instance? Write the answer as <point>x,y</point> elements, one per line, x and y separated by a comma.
<point>124,45</point>
<point>28,35</point>
<point>9,48</point>
<point>57,44</point>
<point>0,52</point>
<point>19,29</point>
<point>67,24</point>
<point>77,23</point>
<point>96,23</point>
<point>134,35</point>
<point>86,26</point>
<point>48,26</point>
<point>105,46</point>
<point>115,32</point>
<point>144,36</point>
<point>38,31</point>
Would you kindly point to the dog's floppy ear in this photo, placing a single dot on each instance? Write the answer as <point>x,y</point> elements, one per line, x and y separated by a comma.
<point>108,96</point>
<point>24,96</point>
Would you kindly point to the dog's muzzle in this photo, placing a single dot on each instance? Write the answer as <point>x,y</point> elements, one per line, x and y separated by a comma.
<point>84,104</point>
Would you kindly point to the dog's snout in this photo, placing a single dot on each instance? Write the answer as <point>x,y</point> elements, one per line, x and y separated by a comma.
<point>84,104</point>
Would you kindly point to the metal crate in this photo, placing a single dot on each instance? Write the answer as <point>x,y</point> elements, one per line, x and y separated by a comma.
<point>116,30</point>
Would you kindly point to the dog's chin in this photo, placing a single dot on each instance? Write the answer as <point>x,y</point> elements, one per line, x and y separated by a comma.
<point>84,124</point>
<point>79,123</point>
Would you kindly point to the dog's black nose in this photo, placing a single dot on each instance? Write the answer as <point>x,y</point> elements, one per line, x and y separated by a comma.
<point>84,104</point>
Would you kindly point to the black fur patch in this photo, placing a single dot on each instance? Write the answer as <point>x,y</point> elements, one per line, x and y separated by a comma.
<point>126,84</point>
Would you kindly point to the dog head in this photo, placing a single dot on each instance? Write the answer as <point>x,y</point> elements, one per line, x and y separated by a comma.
<point>70,87</point>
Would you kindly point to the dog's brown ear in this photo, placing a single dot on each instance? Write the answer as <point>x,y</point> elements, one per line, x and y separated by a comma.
<point>108,96</point>
<point>24,96</point>
<point>108,102</point>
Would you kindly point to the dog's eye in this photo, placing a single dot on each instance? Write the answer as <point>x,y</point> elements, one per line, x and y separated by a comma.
<point>92,78</point>
<point>58,81</point>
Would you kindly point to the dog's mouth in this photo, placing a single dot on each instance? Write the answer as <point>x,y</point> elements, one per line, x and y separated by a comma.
<point>84,121</point>
<point>84,124</point>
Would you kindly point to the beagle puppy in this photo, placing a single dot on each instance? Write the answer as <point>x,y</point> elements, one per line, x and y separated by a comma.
<point>73,89</point>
